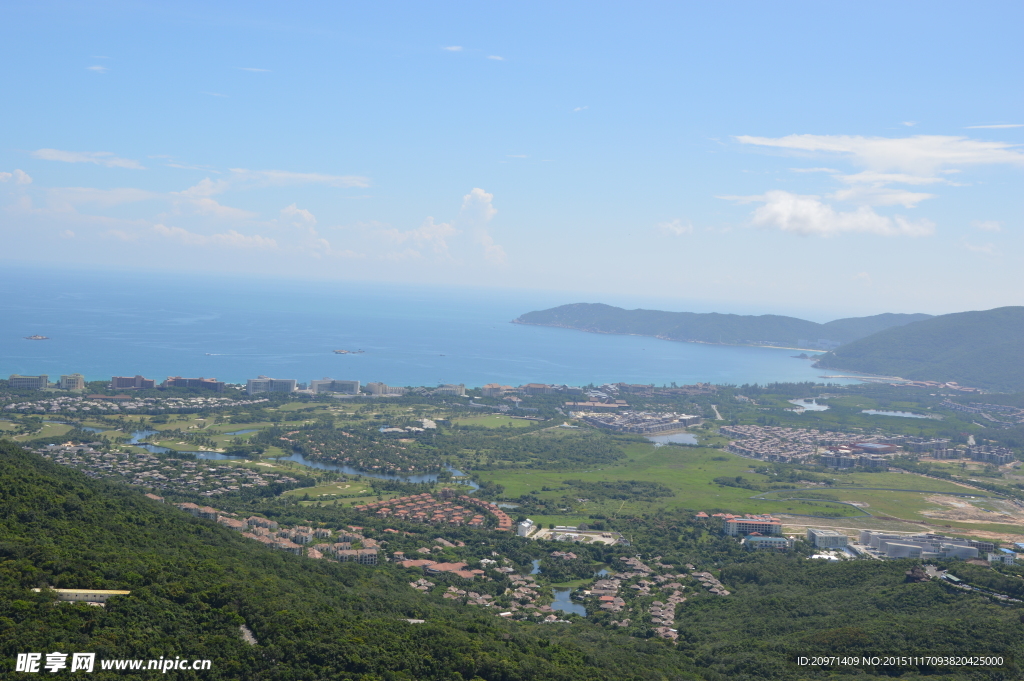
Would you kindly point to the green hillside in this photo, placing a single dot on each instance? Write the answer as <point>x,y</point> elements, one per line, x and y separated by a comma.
<point>710,327</point>
<point>193,583</point>
<point>981,349</point>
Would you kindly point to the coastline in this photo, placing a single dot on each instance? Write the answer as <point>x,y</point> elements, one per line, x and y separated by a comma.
<point>666,338</point>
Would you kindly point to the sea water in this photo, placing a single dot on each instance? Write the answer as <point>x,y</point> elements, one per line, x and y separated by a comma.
<point>233,329</point>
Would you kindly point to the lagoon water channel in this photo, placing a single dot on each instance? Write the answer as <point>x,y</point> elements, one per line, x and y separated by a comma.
<point>139,435</point>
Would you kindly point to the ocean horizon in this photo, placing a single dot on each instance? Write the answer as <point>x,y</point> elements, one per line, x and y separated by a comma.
<point>232,329</point>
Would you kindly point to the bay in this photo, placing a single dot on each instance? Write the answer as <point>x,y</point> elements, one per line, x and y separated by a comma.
<point>106,324</point>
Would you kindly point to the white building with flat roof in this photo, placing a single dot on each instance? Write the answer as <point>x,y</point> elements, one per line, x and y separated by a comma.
<point>827,539</point>
<point>329,385</point>
<point>264,384</point>
<point>524,528</point>
<point>40,382</point>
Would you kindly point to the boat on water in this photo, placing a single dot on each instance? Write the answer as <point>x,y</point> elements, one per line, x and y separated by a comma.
<point>37,337</point>
<point>348,352</point>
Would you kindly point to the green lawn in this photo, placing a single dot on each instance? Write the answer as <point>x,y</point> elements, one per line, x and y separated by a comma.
<point>492,421</point>
<point>690,473</point>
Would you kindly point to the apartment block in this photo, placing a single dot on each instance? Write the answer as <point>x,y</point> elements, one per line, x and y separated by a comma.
<point>71,382</point>
<point>121,382</point>
<point>329,385</point>
<point>265,384</point>
<point>40,382</point>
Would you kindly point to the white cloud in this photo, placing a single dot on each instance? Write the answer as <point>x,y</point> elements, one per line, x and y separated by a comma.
<point>121,235</point>
<point>477,211</point>
<point>64,198</point>
<point>675,227</point>
<point>982,249</point>
<point>987,225</point>
<point>877,195</point>
<point>19,177</point>
<point>998,126</point>
<point>918,155</point>
<point>67,234</point>
<point>495,57</point>
<point>580,108</point>
<point>183,166</point>
<point>453,48</point>
<point>814,170</point>
<point>864,278</point>
<point>910,124</point>
<point>253,70</point>
<point>103,158</point>
<point>215,94</point>
<point>874,177</point>
<point>230,239</point>
<point>298,215</point>
<point>97,69</point>
<point>517,156</point>
<point>208,206</point>
<point>430,234</point>
<point>477,203</point>
<point>809,216</point>
<point>280,178</point>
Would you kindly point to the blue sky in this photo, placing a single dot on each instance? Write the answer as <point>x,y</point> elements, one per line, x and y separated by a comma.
<point>850,158</point>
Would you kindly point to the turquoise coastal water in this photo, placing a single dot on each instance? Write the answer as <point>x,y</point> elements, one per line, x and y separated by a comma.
<point>235,329</point>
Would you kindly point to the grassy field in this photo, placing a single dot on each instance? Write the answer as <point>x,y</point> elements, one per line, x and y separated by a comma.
<point>492,421</point>
<point>690,473</point>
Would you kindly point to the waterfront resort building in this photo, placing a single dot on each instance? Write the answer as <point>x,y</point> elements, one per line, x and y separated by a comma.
<point>263,384</point>
<point>136,381</point>
<point>29,382</point>
<point>204,383</point>
<point>329,385</point>
<point>376,388</point>
<point>72,382</point>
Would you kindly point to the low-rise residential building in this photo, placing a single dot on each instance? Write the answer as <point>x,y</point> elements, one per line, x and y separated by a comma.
<point>756,542</point>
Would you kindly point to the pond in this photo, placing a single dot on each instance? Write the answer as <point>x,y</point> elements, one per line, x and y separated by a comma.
<point>902,414</point>
<point>677,438</point>
<point>563,602</point>
<point>808,405</point>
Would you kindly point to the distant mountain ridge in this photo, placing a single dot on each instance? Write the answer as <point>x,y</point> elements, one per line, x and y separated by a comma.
<point>712,327</point>
<point>982,349</point>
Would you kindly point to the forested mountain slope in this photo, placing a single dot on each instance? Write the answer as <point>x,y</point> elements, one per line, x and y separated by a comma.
<point>984,349</point>
<point>710,327</point>
<point>194,582</point>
